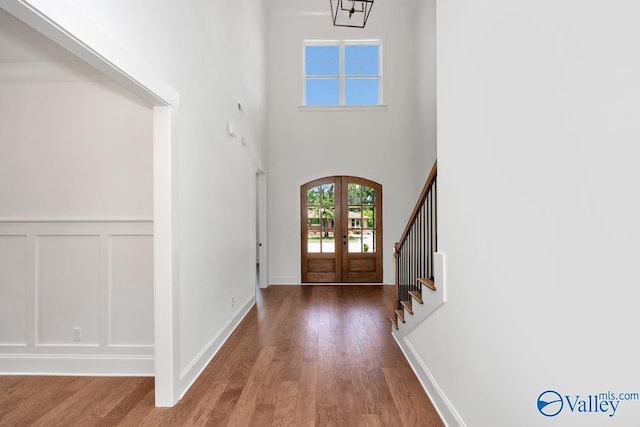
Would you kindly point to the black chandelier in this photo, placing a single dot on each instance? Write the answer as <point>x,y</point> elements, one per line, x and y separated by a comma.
<point>350,13</point>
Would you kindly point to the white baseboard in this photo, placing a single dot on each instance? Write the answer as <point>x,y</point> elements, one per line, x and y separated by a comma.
<point>191,373</point>
<point>77,365</point>
<point>284,280</point>
<point>447,412</point>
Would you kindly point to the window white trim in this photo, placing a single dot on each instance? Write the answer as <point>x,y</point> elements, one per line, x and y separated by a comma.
<point>342,77</point>
<point>337,108</point>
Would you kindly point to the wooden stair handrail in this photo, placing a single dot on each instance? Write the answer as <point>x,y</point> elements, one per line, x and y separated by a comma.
<point>423,196</point>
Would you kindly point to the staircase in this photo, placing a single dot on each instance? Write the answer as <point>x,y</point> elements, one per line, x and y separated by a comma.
<point>399,315</point>
<point>419,267</point>
<point>421,304</point>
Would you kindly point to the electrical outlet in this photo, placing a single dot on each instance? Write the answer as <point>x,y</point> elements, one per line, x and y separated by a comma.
<point>77,333</point>
<point>233,301</point>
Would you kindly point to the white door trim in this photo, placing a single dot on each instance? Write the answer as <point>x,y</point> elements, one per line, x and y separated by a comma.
<point>261,207</point>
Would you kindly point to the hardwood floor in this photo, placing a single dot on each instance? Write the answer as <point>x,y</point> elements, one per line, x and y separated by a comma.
<point>304,356</point>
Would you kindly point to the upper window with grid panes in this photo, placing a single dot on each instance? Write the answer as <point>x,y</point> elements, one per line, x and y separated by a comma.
<point>342,73</point>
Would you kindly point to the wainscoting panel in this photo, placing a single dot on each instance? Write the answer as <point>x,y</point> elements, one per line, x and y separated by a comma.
<point>13,288</point>
<point>68,290</point>
<point>76,297</point>
<point>131,290</point>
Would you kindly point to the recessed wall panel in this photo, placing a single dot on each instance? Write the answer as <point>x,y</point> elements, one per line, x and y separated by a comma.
<point>131,290</point>
<point>13,282</point>
<point>68,290</point>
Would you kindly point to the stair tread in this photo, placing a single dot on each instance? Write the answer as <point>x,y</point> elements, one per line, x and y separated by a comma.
<point>427,282</point>
<point>416,295</point>
<point>394,321</point>
<point>408,306</point>
<point>400,315</point>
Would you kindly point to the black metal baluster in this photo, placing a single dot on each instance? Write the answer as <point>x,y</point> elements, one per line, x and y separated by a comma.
<point>415,252</point>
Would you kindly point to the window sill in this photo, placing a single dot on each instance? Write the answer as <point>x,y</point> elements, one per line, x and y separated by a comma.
<point>336,108</point>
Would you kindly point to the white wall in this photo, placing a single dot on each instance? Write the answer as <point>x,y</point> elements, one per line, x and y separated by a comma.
<point>212,54</point>
<point>305,144</point>
<point>74,149</point>
<point>76,229</point>
<point>538,145</point>
<point>425,85</point>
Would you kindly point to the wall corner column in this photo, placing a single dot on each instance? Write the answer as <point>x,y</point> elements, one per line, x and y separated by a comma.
<point>166,255</point>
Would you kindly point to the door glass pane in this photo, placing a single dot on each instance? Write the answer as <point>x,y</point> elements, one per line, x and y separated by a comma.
<point>368,195</point>
<point>321,219</point>
<point>328,212</point>
<point>328,241</point>
<point>368,231</point>
<point>355,219</point>
<point>313,216</point>
<point>361,218</point>
<point>313,241</point>
<point>328,194</point>
<point>328,217</point>
<point>313,196</point>
<point>354,225</point>
<point>355,243</point>
<point>313,227</point>
<point>368,217</point>
<point>354,194</point>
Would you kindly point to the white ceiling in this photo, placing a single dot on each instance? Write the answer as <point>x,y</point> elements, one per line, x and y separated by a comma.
<point>20,43</point>
<point>307,5</point>
<point>323,6</point>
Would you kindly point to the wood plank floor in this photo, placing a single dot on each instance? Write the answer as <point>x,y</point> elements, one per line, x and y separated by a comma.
<point>304,356</point>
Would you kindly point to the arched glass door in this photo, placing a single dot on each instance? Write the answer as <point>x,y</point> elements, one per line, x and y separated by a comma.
<point>341,230</point>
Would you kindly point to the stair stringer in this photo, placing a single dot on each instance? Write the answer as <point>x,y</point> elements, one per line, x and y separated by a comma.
<point>432,300</point>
